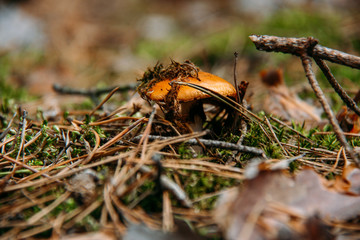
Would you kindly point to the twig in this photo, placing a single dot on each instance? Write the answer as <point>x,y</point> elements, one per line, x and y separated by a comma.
<point>22,165</point>
<point>91,92</point>
<point>121,134</point>
<point>168,219</point>
<point>210,143</point>
<point>292,129</point>
<point>306,61</point>
<point>275,137</point>
<point>67,145</point>
<point>296,47</point>
<point>143,140</point>
<point>242,91</point>
<point>336,86</point>
<point>3,134</point>
<point>345,133</point>
<point>243,130</point>
<point>97,144</point>
<point>229,102</point>
<point>105,100</point>
<point>39,182</point>
<point>265,132</point>
<point>22,139</point>
<point>306,48</point>
<point>85,212</point>
<point>23,123</point>
<point>49,208</point>
<point>336,161</point>
<point>171,186</point>
<point>111,210</point>
<point>235,79</point>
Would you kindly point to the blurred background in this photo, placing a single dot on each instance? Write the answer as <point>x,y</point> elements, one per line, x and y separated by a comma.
<point>96,43</point>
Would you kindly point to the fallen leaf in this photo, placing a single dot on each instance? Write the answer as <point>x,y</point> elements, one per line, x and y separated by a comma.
<point>349,181</point>
<point>280,101</point>
<point>274,203</point>
<point>348,119</point>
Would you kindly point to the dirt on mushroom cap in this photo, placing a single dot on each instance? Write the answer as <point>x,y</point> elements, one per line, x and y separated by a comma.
<point>155,83</point>
<point>185,93</point>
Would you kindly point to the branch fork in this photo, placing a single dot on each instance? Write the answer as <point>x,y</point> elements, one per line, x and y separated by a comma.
<point>305,48</point>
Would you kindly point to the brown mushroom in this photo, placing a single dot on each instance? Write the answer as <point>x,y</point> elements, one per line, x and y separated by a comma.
<point>190,107</point>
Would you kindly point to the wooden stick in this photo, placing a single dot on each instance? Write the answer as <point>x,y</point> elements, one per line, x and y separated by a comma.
<point>296,47</point>
<point>350,103</point>
<point>306,61</point>
<point>210,143</point>
<point>306,48</point>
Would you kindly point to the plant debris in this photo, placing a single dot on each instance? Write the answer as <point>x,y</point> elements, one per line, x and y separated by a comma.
<point>183,105</point>
<point>274,204</point>
<point>281,102</point>
<point>159,73</point>
<point>307,48</point>
<point>132,173</point>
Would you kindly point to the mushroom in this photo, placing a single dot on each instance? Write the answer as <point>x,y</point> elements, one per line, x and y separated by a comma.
<point>185,103</point>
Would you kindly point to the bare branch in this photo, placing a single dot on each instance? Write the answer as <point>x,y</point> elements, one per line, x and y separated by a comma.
<point>211,143</point>
<point>336,86</point>
<point>296,47</point>
<point>306,48</point>
<point>306,61</point>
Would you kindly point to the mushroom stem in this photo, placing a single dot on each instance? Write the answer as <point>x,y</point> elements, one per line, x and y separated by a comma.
<point>193,114</point>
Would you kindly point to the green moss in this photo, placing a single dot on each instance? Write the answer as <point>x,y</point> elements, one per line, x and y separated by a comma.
<point>354,141</point>
<point>330,142</point>
<point>293,166</point>
<point>36,162</point>
<point>153,202</point>
<point>205,49</point>
<point>184,151</point>
<point>67,206</point>
<point>273,150</point>
<point>89,223</point>
<point>199,183</point>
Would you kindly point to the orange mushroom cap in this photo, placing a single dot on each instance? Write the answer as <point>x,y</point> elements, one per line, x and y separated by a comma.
<point>186,94</point>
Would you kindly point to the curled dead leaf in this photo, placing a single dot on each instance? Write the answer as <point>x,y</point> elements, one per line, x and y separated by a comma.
<point>280,101</point>
<point>273,204</point>
<point>348,119</point>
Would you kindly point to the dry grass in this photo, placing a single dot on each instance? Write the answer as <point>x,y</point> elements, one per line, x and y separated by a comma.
<point>86,175</point>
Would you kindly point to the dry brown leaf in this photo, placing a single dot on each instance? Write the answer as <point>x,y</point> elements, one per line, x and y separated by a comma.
<point>349,181</point>
<point>348,119</point>
<point>273,203</point>
<point>280,101</point>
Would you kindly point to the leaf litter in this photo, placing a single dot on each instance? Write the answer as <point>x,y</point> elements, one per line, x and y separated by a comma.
<point>274,205</point>
<point>112,173</point>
